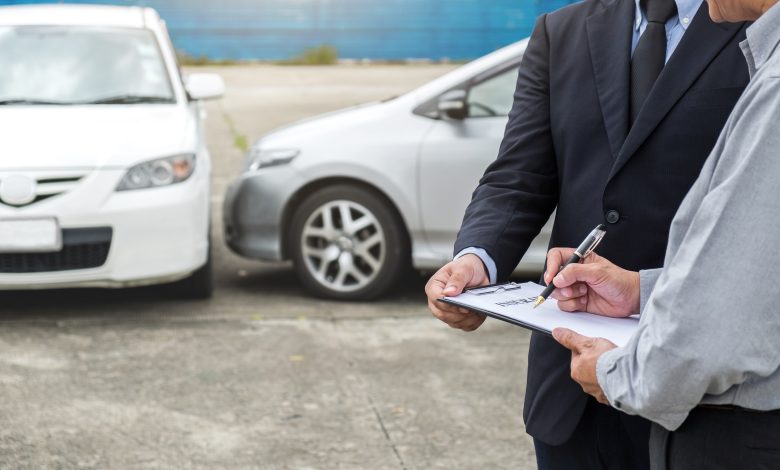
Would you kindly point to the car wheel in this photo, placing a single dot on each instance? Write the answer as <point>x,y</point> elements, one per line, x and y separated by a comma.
<point>347,243</point>
<point>199,284</point>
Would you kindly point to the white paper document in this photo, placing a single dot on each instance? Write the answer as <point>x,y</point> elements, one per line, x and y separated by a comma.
<point>514,303</point>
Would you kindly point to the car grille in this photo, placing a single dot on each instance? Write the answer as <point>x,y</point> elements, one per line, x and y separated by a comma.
<point>50,184</point>
<point>82,248</point>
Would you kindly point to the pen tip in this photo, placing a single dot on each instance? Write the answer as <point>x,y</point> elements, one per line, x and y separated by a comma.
<point>539,301</point>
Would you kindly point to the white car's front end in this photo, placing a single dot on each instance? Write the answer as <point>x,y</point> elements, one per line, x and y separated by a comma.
<point>75,161</point>
<point>104,174</point>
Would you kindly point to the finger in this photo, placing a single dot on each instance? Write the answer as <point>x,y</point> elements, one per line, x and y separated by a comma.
<point>569,339</point>
<point>576,272</point>
<point>470,323</point>
<point>434,288</point>
<point>476,323</point>
<point>452,319</point>
<point>447,314</point>
<point>456,319</point>
<point>449,311</point>
<point>555,259</point>
<point>572,292</point>
<point>578,304</point>
<point>467,323</point>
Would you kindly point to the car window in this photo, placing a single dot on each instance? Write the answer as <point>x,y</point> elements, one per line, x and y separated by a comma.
<point>81,65</point>
<point>493,97</point>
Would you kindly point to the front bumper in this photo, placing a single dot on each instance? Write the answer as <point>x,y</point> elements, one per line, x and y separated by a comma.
<point>155,235</point>
<point>254,208</point>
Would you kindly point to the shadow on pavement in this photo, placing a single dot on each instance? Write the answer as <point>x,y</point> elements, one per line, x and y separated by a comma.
<point>256,283</point>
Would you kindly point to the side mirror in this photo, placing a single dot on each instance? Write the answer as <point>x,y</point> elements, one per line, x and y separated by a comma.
<point>453,105</point>
<point>204,86</point>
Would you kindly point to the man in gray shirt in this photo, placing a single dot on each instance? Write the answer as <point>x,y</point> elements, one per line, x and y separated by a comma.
<point>705,362</point>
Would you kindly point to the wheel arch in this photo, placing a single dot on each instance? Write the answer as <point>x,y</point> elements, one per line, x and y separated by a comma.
<point>308,189</point>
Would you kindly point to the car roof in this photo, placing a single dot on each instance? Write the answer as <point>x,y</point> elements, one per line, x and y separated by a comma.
<point>77,15</point>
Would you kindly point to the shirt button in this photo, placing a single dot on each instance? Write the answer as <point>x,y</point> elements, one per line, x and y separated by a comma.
<point>686,20</point>
<point>612,216</point>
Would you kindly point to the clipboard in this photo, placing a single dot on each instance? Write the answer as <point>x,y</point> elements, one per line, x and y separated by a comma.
<point>492,289</point>
<point>513,303</point>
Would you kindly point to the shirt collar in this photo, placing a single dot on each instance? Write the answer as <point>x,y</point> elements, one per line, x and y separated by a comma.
<point>763,36</point>
<point>686,10</point>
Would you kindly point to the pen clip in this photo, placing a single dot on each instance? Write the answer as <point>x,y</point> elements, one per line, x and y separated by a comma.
<point>493,288</point>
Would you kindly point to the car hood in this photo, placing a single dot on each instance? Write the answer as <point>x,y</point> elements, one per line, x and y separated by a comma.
<point>326,124</point>
<point>98,136</point>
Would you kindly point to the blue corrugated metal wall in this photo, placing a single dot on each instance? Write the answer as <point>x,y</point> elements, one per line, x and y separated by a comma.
<point>376,29</point>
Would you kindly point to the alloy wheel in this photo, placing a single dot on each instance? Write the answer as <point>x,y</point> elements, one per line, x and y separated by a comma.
<point>343,245</point>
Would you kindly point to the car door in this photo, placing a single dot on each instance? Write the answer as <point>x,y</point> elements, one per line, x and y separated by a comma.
<point>455,154</point>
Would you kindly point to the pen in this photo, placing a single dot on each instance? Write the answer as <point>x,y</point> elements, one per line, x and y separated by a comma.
<point>586,247</point>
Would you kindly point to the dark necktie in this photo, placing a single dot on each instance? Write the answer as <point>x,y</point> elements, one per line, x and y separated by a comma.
<point>650,52</point>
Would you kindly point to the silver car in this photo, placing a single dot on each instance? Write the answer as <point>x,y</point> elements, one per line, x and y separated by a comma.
<point>353,197</point>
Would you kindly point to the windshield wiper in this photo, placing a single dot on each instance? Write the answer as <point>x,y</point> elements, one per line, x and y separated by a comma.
<point>129,99</point>
<point>12,101</point>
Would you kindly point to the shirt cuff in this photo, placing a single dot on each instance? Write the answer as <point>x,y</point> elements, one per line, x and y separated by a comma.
<point>613,376</point>
<point>490,265</point>
<point>647,280</point>
<point>604,365</point>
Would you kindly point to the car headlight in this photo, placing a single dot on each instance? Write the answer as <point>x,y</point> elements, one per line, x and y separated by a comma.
<point>158,172</point>
<point>263,158</point>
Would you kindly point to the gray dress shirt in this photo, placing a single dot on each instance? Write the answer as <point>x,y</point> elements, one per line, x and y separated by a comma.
<point>710,322</point>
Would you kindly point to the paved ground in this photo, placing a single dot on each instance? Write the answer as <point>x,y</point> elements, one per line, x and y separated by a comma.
<point>261,376</point>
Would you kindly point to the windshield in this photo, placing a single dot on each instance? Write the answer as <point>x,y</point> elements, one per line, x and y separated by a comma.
<point>81,65</point>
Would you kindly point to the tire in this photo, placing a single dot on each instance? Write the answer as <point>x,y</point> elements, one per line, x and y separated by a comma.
<point>199,285</point>
<point>358,260</point>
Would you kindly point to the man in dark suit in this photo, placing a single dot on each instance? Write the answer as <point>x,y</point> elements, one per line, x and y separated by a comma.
<point>618,103</point>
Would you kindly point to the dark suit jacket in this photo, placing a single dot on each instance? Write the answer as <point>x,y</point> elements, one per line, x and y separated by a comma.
<point>568,144</point>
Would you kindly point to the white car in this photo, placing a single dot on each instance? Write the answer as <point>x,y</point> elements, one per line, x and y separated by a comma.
<point>354,196</point>
<point>104,173</point>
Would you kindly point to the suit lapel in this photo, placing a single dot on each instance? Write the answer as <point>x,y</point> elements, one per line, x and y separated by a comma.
<point>609,38</point>
<point>700,44</point>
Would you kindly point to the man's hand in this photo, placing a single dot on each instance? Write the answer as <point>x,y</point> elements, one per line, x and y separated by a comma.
<point>595,285</point>
<point>466,271</point>
<point>585,352</point>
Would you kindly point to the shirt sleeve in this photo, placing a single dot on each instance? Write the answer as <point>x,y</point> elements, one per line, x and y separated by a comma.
<point>647,280</point>
<point>711,323</point>
<point>487,260</point>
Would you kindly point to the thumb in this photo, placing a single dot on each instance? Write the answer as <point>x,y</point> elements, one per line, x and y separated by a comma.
<point>457,281</point>
<point>569,339</point>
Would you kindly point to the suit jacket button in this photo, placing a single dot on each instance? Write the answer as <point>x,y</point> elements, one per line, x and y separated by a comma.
<point>612,216</point>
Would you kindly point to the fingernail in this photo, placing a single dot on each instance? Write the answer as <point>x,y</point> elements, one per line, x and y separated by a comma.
<point>583,300</point>
<point>558,278</point>
<point>583,290</point>
<point>566,292</point>
<point>449,290</point>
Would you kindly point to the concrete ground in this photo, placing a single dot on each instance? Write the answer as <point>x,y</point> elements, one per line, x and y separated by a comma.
<point>261,376</point>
